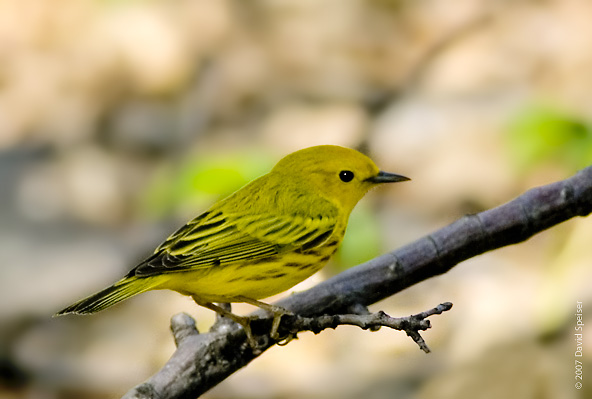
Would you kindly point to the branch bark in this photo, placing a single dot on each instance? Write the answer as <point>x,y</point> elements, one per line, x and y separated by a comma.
<point>203,360</point>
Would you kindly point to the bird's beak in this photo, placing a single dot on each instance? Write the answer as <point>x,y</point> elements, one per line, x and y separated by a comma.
<point>386,177</point>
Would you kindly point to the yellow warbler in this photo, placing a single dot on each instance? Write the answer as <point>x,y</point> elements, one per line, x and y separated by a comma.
<point>263,239</point>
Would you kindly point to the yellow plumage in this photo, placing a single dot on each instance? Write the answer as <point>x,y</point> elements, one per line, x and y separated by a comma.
<point>263,239</point>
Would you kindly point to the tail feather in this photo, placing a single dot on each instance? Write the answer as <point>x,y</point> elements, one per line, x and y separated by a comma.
<point>108,297</point>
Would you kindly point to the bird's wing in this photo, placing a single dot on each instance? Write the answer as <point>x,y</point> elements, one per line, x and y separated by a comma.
<point>214,239</point>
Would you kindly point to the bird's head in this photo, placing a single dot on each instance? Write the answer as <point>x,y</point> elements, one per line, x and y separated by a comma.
<point>339,174</point>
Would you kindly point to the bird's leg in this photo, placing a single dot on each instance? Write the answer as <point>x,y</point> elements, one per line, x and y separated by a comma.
<point>220,319</point>
<point>243,321</point>
<point>276,311</point>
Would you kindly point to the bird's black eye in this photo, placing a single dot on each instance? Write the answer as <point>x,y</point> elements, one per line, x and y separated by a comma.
<point>346,175</point>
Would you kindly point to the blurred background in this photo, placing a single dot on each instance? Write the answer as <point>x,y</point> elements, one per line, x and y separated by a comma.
<point>122,119</point>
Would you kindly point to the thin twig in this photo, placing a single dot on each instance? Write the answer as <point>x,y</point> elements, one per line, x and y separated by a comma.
<point>294,324</point>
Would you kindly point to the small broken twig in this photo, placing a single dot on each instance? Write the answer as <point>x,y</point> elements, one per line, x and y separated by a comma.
<point>293,324</point>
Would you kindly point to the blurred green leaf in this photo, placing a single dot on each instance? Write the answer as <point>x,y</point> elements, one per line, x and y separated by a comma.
<point>362,238</point>
<point>541,135</point>
<point>202,180</point>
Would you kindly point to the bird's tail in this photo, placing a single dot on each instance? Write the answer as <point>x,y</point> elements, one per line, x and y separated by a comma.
<point>116,293</point>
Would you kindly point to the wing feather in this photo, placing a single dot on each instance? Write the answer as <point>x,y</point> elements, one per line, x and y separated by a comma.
<point>214,239</point>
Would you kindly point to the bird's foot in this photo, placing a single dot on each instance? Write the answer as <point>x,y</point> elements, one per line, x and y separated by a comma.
<point>277,312</point>
<point>224,310</point>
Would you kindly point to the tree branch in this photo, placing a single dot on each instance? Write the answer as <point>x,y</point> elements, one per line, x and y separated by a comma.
<point>203,360</point>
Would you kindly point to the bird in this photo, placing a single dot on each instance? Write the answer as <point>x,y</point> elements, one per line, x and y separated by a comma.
<point>261,240</point>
